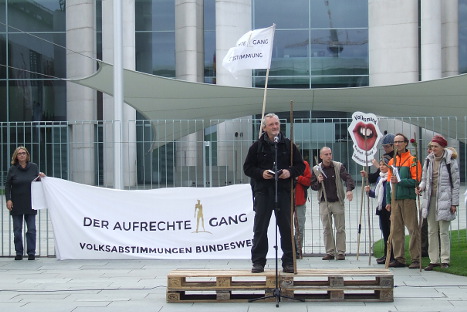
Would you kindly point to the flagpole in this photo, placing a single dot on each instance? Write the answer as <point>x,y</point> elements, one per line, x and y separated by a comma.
<point>263,111</point>
<point>118,95</point>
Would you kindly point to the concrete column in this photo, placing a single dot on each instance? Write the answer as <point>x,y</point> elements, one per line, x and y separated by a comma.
<point>233,20</point>
<point>129,113</point>
<point>450,37</point>
<point>189,40</point>
<point>189,156</point>
<point>189,66</point>
<point>393,41</point>
<point>233,145</point>
<point>81,101</point>
<point>430,39</point>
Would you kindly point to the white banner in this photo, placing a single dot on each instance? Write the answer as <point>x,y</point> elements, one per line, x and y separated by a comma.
<point>174,223</point>
<point>252,51</point>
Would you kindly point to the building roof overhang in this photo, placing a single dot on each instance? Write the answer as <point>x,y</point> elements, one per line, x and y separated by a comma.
<point>159,98</point>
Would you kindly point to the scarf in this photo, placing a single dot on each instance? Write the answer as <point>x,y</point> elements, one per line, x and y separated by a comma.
<point>379,190</point>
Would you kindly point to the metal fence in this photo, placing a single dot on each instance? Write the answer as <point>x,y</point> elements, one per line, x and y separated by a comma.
<point>197,153</point>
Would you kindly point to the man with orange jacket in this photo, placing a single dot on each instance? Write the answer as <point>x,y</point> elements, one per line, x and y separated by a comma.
<point>403,209</point>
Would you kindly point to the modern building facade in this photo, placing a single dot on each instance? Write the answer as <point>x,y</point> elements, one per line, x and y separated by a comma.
<point>318,44</point>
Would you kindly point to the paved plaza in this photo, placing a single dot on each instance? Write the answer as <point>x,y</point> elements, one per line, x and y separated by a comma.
<point>51,285</point>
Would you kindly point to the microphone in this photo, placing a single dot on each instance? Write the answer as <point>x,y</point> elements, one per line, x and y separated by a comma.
<point>276,139</point>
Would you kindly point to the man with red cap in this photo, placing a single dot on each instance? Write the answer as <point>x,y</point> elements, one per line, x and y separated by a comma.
<point>440,140</point>
<point>440,189</point>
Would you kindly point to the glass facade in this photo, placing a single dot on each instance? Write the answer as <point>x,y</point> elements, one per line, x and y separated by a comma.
<point>155,37</point>
<point>317,44</point>
<point>462,36</point>
<point>209,41</point>
<point>32,48</point>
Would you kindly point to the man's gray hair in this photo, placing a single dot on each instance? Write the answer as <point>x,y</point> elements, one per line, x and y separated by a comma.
<point>269,115</point>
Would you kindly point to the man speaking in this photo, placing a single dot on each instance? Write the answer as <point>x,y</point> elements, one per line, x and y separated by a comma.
<point>259,165</point>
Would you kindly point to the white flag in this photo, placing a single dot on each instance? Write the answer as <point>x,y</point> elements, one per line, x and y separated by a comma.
<point>252,51</point>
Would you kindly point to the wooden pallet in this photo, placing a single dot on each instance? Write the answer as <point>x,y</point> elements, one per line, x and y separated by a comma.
<point>307,285</point>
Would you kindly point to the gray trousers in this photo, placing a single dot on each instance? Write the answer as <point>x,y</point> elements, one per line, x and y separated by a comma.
<point>328,212</point>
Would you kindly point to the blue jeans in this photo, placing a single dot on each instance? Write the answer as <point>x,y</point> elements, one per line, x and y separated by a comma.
<point>30,233</point>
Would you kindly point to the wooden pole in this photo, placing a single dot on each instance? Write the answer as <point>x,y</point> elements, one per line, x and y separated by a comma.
<point>393,200</point>
<point>292,194</point>
<point>365,168</point>
<point>263,110</point>
<point>420,219</point>
<point>368,203</point>
<point>359,232</point>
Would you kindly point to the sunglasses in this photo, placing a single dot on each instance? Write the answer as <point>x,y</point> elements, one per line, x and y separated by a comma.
<point>21,153</point>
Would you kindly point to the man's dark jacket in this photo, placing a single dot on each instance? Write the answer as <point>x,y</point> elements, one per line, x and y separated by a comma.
<point>261,156</point>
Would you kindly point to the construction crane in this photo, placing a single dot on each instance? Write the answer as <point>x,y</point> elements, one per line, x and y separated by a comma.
<point>334,45</point>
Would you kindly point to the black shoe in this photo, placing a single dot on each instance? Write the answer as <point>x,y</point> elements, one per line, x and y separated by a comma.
<point>396,264</point>
<point>257,268</point>
<point>328,257</point>
<point>18,257</point>
<point>381,260</point>
<point>444,265</point>
<point>31,257</point>
<point>288,268</point>
<point>340,257</point>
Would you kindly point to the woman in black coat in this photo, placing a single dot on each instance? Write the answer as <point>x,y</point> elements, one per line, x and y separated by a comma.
<point>18,200</point>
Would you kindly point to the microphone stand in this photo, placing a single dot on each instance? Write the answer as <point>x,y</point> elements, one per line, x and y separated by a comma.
<point>277,291</point>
